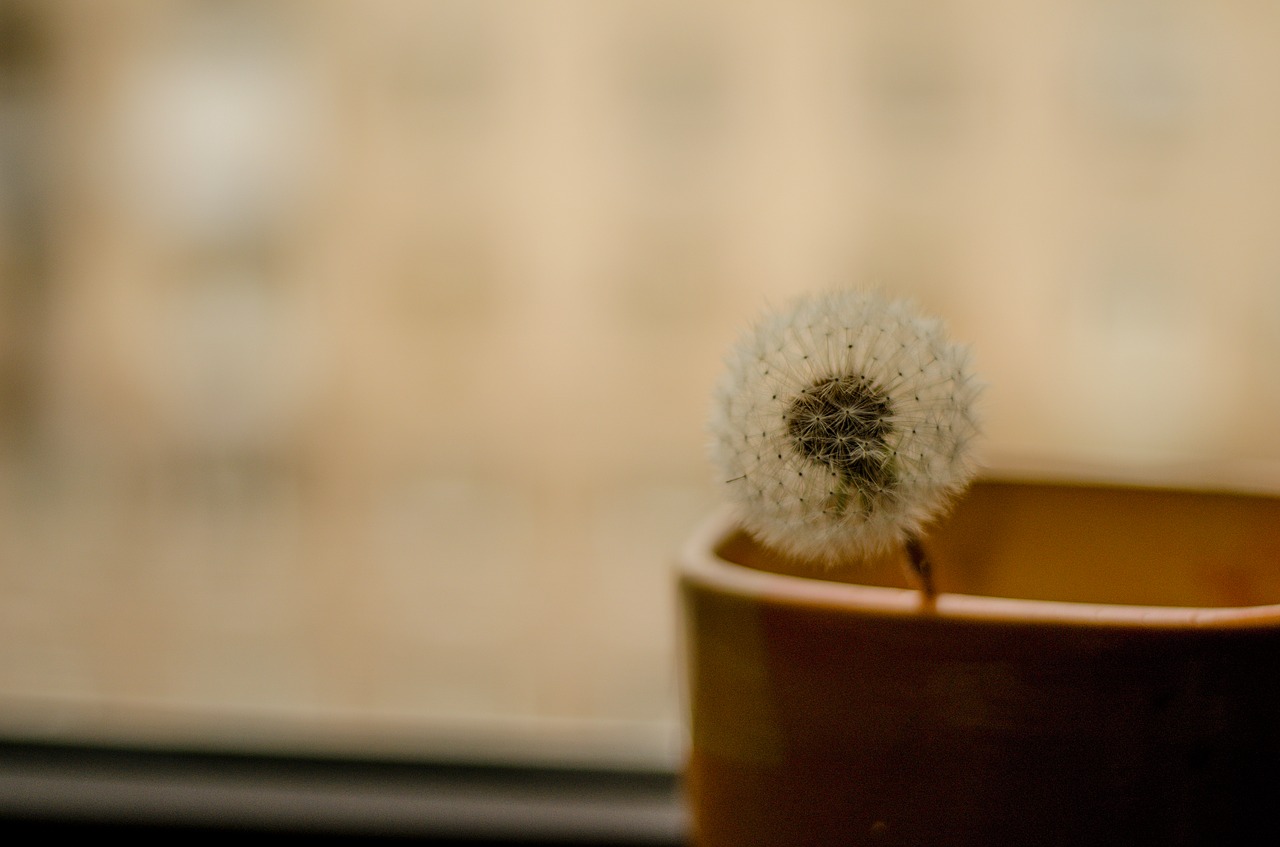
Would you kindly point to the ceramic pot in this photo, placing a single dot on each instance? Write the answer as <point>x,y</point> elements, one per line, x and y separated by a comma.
<point>1102,667</point>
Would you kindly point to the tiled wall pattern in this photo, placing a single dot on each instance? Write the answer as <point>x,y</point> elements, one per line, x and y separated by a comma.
<point>354,356</point>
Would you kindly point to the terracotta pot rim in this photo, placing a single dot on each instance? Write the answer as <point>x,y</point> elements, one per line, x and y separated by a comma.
<point>700,564</point>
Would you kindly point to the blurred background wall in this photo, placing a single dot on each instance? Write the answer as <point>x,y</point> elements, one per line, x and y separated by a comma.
<point>354,356</point>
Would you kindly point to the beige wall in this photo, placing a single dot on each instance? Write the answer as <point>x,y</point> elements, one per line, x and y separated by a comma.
<point>356,369</point>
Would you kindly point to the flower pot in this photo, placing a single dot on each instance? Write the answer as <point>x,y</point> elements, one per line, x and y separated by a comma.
<point>1102,667</point>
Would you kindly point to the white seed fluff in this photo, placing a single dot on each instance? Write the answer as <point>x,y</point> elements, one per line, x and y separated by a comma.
<point>843,424</point>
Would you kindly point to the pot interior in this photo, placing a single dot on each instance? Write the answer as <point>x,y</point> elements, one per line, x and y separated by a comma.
<point>1082,543</point>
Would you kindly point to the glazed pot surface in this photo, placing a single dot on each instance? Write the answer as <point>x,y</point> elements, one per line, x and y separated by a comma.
<point>1115,685</point>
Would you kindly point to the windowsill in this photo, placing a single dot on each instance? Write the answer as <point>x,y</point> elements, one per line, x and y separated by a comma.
<point>78,787</point>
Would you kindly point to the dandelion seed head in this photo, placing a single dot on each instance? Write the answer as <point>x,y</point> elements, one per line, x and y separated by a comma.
<point>843,424</point>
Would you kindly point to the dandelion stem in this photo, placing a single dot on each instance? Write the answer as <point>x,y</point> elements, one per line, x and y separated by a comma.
<point>921,568</point>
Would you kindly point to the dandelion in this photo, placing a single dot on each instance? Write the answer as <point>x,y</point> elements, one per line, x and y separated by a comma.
<point>842,425</point>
